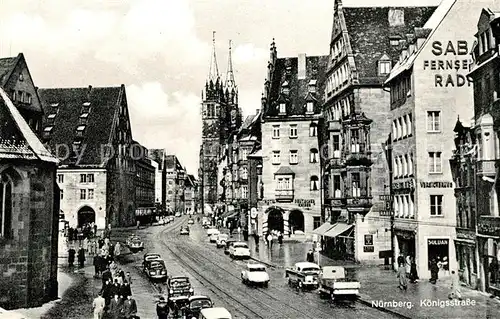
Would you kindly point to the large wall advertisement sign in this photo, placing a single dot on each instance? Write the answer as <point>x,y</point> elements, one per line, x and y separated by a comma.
<point>451,63</point>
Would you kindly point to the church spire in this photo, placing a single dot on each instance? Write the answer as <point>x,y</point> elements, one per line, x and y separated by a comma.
<point>230,83</point>
<point>213,73</point>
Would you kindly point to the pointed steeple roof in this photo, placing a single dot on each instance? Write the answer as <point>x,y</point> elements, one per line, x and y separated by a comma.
<point>230,83</point>
<point>213,73</point>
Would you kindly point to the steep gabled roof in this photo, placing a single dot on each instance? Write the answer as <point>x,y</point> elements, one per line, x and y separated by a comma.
<point>67,104</point>
<point>17,140</point>
<point>171,162</point>
<point>286,70</point>
<point>369,36</point>
<point>7,66</point>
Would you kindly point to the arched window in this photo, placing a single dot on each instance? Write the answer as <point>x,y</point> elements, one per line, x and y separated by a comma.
<point>314,183</point>
<point>5,206</point>
<point>313,129</point>
<point>314,155</point>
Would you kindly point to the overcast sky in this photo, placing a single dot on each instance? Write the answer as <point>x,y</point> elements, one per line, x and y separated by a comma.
<point>160,49</point>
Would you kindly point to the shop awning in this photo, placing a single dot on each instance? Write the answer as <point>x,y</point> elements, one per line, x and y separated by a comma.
<point>337,229</point>
<point>229,214</point>
<point>321,230</point>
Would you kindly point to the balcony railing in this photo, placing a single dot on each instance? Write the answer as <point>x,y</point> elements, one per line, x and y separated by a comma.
<point>486,167</point>
<point>284,194</point>
<point>357,154</point>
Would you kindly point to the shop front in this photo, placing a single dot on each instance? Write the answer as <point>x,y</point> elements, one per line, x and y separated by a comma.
<point>337,240</point>
<point>465,247</point>
<point>438,250</point>
<point>489,251</point>
<point>405,242</point>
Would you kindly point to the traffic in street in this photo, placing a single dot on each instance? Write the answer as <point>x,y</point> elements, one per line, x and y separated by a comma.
<point>216,275</point>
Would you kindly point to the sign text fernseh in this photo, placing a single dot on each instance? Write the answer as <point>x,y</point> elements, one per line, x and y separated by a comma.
<point>436,184</point>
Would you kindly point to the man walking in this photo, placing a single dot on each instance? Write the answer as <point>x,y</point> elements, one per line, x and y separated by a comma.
<point>115,307</point>
<point>162,309</point>
<point>129,308</point>
<point>99,304</point>
<point>270,240</point>
<point>455,287</point>
<point>310,256</point>
<point>81,257</point>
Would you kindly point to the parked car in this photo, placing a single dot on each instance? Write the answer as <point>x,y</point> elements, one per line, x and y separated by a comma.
<point>215,313</point>
<point>239,249</point>
<point>211,231</point>
<point>303,275</point>
<point>255,274</point>
<point>196,304</point>
<point>171,218</point>
<point>179,286</point>
<point>156,270</point>
<point>184,230</point>
<point>213,237</point>
<point>150,256</point>
<point>221,240</point>
<point>178,306</point>
<point>177,214</point>
<point>228,245</point>
<point>129,239</point>
<point>333,283</point>
<point>205,222</point>
<point>190,221</point>
<point>136,245</point>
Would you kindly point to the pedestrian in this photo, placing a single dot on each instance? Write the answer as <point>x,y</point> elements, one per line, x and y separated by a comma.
<point>401,259</point>
<point>413,271</point>
<point>128,278</point>
<point>86,244</point>
<point>310,256</point>
<point>116,307</point>
<point>280,238</point>
<point>446,266</point>
<point>106,275</point>
<point>117,250</point>
<point>138,224</point>
<point>162,308</point>
<point>434,271</point>
<point>71,257</point>
<point>81,257</point>
<point>97,266</point>
<point>99,303</point>
<point>408,265</point>
<point>129,307</point>
<point>95,230</point>
<point>125,289</point>
<point>270,240</point>
<point>455,287</point>
<point>403,281</point>
<point>106,291</point>
<point>493,270</point>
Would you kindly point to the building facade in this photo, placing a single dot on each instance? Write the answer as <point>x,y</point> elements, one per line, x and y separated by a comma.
<point>221,118</point>
<point>88,129</point>
<point>158,156</point>
<point>291,202</point>
<point>175,178</point>
<point>29,208</point>
<point>484,148</point>
<point>365,42</point>
<point>189,194</point>
<point>431,75</point>
<point>145,209</point>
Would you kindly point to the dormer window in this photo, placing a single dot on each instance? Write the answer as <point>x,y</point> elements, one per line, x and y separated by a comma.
<point>310,107</point>
<point>21,77</point>
<point>282,108</point>
<point>86,104</point>
<point>285,89</point>
<point>83,118</point>
<point>51,116</point>
<point>312,86</point>
<point>47,130</point>
<point>384,67</point>
<point>79,130</point>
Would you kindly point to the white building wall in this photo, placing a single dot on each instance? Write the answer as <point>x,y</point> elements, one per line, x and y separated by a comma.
<point>71,202</point>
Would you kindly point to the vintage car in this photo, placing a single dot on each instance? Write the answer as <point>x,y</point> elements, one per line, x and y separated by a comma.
<point>196,304</point>
<point>135,244</point>
<point>255,274</point>
<point>228,245</point>
<point>239,249</point>
<point>178,306</point>
<point>333,283</point>
<point>190,221</point>
<point>303,275</point>
<point>148,257</point>
<point>215,313</point>
<point>177,214</point>
<point>211,231</point>
<point>184,230</point>
<point>179,286</point>
<point>221,240</point>
<point>213,237</point>
<point>156,270</point>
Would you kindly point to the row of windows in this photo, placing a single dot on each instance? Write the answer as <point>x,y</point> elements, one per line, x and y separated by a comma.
<point>86,193</point>
<point>282,108</point>
<point>403,165</point>
<point>486,41</point>
<point>400,90</point>
<point>21,96</point>
<point>293,131</point>
<point>355,188</point>
<point>402,127</point>
<point>294,156</point>
<point>404,206</point>
<point>84,178</point>
<point>285,183</point>
<point>211,110</point>
<point>337,49</point>
<point>338,78</point>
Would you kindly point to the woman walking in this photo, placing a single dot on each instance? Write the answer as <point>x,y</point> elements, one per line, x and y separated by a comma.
<point>403,281</point>
<point>413,271</point>
<point>434,271</point>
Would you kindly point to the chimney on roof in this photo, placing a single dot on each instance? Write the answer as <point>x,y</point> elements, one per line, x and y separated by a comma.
<point>301,73</point>
<point>88,92</point>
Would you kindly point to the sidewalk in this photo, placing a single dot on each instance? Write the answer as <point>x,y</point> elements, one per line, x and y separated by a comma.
<point>379,287</point>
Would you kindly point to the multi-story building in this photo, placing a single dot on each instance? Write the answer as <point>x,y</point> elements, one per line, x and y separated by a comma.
<point>175,177</point>
<point>158,156</point>
<point>88,129</point>
<point>290,151</point>
<point>145,210</point>
<point>221,117</point>
<point>484,148</point>
<point>365,42</point>
<point>29,195</point>
<point>429,86</point>
<point>189,194</point>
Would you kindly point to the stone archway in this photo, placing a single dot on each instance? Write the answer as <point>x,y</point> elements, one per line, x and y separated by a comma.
<point>86,215</point>
<point>275,220</point>
<point>296,221</point>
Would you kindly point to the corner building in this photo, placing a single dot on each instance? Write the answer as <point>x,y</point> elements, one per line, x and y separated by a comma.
<point>429,91</point>
<point>365,43</point>
<point>291,170</point>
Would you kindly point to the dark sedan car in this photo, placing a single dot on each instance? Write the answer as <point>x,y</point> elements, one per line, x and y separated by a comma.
<point>228,244</point>
<point>196,303</point>
<point>179,286</point>
<point>185,230</point>
<point>156,270</point>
